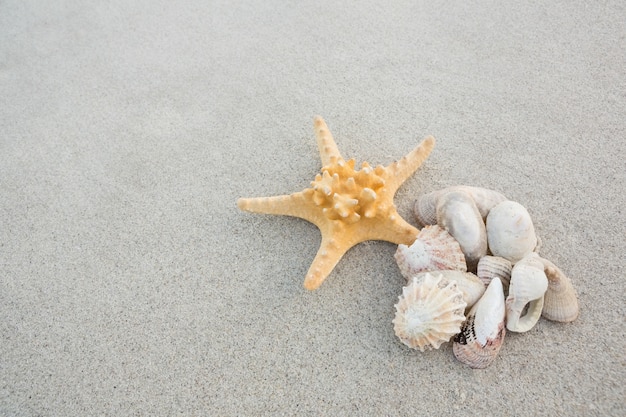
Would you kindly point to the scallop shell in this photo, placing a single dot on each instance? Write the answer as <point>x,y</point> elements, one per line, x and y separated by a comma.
<point>469,284</point>
<point>482,334</point>
<point>425,208</point>
<point>433,249</point>
<point>510,231</point>
<point>528,286</point>
<point>490,267</point>
<point>429,312</point>
<point>560,302</point>
<point>458,214</point>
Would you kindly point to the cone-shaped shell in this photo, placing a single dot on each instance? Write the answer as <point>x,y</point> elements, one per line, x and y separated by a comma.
<point>425,208</point>
<point>458,214</point>
<point>528,286</point>
<point>482,334</point>
<point>429,312</point>
<point>510,231</point>
<point>560,302</point>
<point>433,249</point>
<point>490,267</point>
<point>469,284</point>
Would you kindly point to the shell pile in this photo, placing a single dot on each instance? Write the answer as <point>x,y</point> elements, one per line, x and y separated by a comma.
<point>473,273</point>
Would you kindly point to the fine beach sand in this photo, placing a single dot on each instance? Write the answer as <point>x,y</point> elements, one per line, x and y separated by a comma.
<point>131,285</point>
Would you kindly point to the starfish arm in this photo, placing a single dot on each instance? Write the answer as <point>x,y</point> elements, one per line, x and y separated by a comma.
<point>330,252</point>
<point>325,142</point>
<point>401,170</point>
<point>394,229</point>
<point>296,205</point>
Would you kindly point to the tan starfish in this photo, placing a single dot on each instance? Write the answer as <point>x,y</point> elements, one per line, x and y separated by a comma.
<point>348,206</point>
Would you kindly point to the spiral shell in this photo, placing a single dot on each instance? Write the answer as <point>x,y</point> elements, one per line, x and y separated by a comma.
<point>560,302</point>
<point>528,286</point>
<point>458,214</point>
<point>490,267</point>
<point>433,249</point>
<point>469,284</point>
<point>510,231</point>
<point>429,312</point>
<point>482,334</point>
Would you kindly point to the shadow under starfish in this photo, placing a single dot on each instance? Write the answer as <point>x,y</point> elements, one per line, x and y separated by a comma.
<point>348,206</point>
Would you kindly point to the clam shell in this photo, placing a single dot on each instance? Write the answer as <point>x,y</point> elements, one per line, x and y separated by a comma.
<point>425,208</point>
<point>560,302</point>
<point>528,286</point>
<point>490,267</point>
<point>433,249</point>
<point>510,231</point>
<point>469,284</point>
<point>482,334</point>
<point>429,312</point>
<point>458,214</point>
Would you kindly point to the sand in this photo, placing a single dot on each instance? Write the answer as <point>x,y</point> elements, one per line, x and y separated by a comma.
<point>132,285</point>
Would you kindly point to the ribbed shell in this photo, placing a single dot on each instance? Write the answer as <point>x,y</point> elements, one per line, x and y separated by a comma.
<point>482,334</point>
<point>458,214</point>
<point>528,286</point>
<point>429,312</point>
<point>433,249</point>
<point>560,302</point>
<point>510,231</point>
<point>469,284</point>
<point>490,267</point>
<point>425,208</point>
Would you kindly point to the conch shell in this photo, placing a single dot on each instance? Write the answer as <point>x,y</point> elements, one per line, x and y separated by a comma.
<point>458,214</point>
<point>490,267</point>
<point>510,231</point>
<point>560,302</point>
<point>528,286</point>
<point>425,208</point>
<point>429,312</point>
<point>433,249</point>
<point>483,332</point>
<point>469,284</point>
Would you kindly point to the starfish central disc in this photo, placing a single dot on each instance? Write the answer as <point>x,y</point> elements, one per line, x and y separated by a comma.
<point>348,206</point>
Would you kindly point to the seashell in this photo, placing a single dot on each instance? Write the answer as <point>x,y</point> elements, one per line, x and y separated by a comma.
<point>425,208</point>
<point>560,302</point>
<point>528,286</point>
<point>429,312</point>
<point>510,231</point>
<point>482,334</point>
<point>490,267</point>
<point>458,214</point>
<point>433,249</point>
<point>469,284</point>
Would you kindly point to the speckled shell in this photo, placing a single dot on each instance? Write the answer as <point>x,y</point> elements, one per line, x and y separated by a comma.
<point>458,214</point>
<point>528,286</point>
<point>425,208</point>
<point>433,249</point>
<point>560,302</point>
<point>482,334</point>
<point>490,267</point>
<point>510,231</point>
<point>429,312</point>
<point>469,284</point>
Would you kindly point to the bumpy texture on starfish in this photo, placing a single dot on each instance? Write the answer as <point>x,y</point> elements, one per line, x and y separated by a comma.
<point>348,206</point>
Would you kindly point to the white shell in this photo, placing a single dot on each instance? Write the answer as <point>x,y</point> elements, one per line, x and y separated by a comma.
<point>482,334</point>
<point>528,286</point>
<point>458,214</point>
<point>469,284</point>
<point>560,302</point>
<point>433,249</point>
<point>429,312</point>
<point>490,267</point>
<point>425,208</point>
<point>510,231</point>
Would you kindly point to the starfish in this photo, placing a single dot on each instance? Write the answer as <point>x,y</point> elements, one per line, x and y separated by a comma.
<point>348,206</point>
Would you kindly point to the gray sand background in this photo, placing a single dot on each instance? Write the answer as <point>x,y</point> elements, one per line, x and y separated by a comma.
<point>132,285</point>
